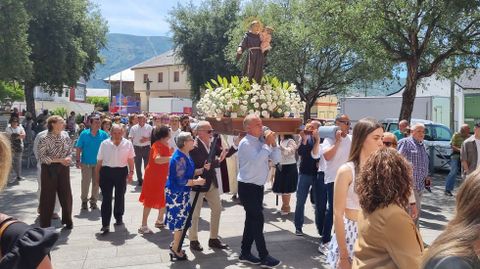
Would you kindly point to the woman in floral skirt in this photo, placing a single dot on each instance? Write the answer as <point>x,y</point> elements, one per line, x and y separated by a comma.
<point>177,192</point>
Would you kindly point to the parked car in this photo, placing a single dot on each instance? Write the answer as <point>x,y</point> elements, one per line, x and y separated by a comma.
<point>437,140</point>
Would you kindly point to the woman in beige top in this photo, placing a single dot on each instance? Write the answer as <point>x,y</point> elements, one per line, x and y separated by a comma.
<point>387,235</point>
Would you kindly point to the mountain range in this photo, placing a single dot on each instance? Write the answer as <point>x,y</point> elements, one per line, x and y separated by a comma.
<point>123,51</point>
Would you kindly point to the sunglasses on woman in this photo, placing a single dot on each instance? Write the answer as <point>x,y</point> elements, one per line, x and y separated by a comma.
<point>387,144</point>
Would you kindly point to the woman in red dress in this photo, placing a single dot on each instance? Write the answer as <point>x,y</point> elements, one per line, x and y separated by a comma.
<point>155,178</point>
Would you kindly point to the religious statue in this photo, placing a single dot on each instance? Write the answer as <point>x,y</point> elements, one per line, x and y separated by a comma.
<point>257,43</point>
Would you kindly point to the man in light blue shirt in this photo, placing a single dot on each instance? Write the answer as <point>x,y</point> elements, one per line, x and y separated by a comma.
<point>87,146</point>
<point>253,156</point>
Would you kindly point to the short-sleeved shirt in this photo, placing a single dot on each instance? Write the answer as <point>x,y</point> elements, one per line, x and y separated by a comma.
<point>112,155</point>
<point>90,145</point>
<point>137,132</point>
<point>398,134</point>
<point>457,140</point>
<point>18,130</point>
<point>341,156</point>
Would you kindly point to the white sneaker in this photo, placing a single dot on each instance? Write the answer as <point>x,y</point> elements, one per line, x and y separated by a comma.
<point>323,248</point>
<point>144,230</point>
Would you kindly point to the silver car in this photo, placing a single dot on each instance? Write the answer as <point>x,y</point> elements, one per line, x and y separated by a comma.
<point>437,140</point>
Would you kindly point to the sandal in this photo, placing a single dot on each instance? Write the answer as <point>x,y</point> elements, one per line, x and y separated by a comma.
<point>174,256</point>
<point>144,230</point>
<point>159,225</point>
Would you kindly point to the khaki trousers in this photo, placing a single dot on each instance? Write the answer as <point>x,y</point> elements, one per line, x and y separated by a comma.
<point>418,203</point>
<point>213,198</point>
<point>88,176</point>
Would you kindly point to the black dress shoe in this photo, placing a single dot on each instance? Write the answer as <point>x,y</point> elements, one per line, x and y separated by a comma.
<point>195,245</point>
<point>105,230</point>
<point>118,223</point>
<point>216,243</point>
<point>69,226</point>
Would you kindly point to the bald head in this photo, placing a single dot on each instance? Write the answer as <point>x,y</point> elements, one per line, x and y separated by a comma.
<point>402,125</point>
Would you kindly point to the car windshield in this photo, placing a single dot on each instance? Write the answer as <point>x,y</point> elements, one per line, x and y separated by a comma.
<point>437,133</point>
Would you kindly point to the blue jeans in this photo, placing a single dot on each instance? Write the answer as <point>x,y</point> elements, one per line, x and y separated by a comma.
<point>450,180</point>
<point>328,223</point>
<point>303,188</point>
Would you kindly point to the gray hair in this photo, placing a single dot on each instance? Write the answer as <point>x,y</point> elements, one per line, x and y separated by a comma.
<point>416,126</point>
<point>201,124</point>
<point>116,126</point>
<point>248,119</point>
<point>181,138</point>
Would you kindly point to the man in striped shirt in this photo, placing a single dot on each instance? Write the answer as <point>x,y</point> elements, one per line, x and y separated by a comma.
<point>413,149</point>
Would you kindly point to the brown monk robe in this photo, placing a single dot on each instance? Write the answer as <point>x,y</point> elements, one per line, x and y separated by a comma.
<point>253,68</point>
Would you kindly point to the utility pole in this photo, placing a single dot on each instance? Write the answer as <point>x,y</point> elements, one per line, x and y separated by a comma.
<point>452,105</point>
<point>147,82</point>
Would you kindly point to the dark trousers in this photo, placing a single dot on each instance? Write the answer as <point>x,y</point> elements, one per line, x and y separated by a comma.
<point>141,153</point>
<point>320,203</point>
<point>251,196</point>
<point>111,178</point>
<point>55,180</point>
<point>327,199</point>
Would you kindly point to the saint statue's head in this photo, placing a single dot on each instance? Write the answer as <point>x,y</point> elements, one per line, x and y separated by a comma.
<point>255,27</point>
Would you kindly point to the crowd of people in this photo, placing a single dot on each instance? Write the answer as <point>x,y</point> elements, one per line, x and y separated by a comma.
<point>366,184</point>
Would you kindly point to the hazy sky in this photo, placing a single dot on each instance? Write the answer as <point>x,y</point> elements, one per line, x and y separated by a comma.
<point>138,17</point>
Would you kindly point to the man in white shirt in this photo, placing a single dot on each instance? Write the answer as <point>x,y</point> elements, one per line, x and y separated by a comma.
<point>336,152</point>
<point>140,135</point>
<point>175,128</point>
<point>114,168</point>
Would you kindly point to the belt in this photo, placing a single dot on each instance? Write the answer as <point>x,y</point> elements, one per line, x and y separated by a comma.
<point>142,146</point>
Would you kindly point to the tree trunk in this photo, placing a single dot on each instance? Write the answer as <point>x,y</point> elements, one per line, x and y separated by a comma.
<point>30,98</point>
<point>410,91</point>
<point>308,106</point>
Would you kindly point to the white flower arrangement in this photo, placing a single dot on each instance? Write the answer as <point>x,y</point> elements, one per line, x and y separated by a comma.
<point>239,97</point>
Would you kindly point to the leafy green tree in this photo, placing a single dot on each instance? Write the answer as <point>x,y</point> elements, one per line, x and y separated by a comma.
<point>97,101</point>
<point>12,90</point>
<point>424,36</point>
<point>304,51</point>
<point>200,36</point>
<point>14,48</point>
<point>65,38</point>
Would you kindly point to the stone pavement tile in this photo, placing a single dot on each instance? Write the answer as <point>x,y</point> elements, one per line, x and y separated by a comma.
<point>85,247</point>
<point>122,261</point>
<point>68,264</point>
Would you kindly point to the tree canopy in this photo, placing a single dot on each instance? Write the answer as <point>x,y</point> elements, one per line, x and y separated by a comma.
<point>49,43</point>
<point>200,36</point>
<point>306,52</point>
<point>14,47</point>
<point>426,36</point>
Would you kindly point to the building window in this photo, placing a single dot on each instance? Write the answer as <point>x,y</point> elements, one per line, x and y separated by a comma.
<point>176,76</point>
<point>66,92</point>
<point>145,78</point>
<point>160,77</point>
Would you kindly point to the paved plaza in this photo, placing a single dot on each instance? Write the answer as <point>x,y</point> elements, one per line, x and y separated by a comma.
<point>85,247</point>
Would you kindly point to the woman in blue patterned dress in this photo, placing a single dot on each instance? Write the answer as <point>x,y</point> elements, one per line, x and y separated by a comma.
<point>177,191</point>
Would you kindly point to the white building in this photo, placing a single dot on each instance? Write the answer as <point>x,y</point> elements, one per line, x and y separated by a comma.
<point>167,76</point>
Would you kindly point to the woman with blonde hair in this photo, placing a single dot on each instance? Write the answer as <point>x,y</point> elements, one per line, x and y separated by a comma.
<point>21,245</point>
<point>367,138</point>
<point>387,235</point>
<point>459,244</point>
<point>389,140</point>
